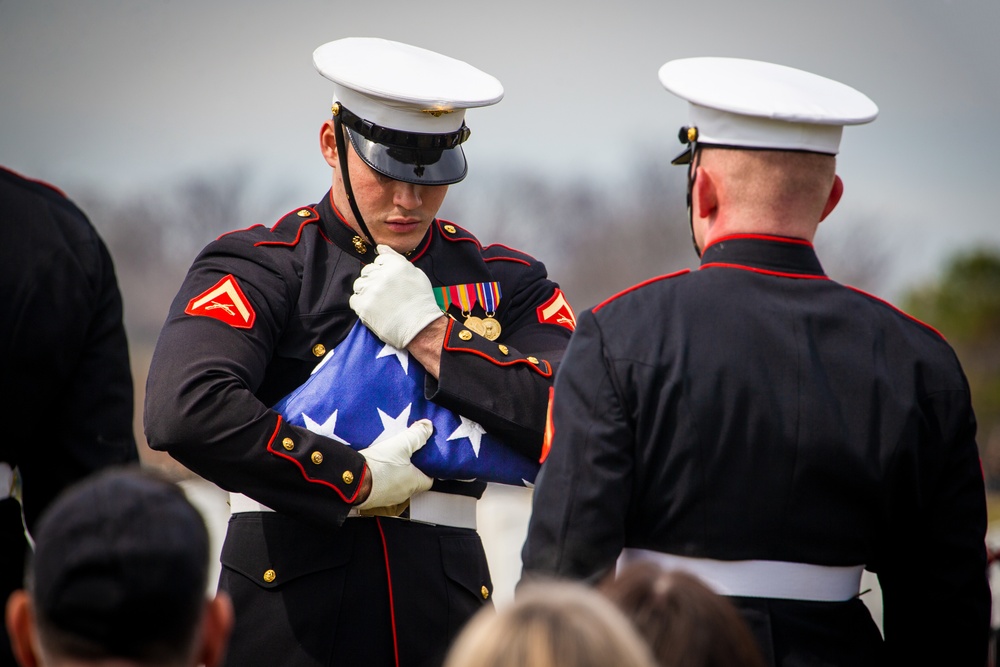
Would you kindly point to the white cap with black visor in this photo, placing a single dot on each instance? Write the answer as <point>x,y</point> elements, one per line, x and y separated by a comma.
<point>752,105</point>
<point>403,108</point>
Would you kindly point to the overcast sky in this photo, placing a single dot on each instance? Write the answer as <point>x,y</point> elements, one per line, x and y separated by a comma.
<point>125,94</point>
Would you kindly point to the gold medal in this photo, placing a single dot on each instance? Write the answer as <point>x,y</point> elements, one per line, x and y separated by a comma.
<point>476,325</point>
<point>491,328</point>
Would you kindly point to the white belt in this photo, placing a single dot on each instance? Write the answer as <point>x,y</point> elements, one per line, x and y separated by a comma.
<point>762,578</point>
<point>6,480</point>
<point>440,509</point>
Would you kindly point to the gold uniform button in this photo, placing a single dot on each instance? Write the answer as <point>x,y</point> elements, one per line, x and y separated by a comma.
<point>348,477</point>
<point>288,444</point>
<point>533,360</point>
<point>503,350</point>
<point>450,229</point>
<point>465,334</point>
<point>303,213</point>
<point>269,576</point>
<point>316,457</point>
<point>485,591</point>
<point>319,350</point>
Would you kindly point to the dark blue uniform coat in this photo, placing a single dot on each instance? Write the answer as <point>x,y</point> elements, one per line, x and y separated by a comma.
<point>756,410</point>
<point>64,363</point>
<point>215,374</point>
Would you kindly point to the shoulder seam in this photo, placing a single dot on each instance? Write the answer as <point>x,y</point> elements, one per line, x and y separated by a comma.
<point>897,310</point>
<point>638,286</point>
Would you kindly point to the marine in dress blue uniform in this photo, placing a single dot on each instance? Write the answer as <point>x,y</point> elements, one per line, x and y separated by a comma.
<point>64,361</point>
<point>322,567</point>
<point>760,425</point>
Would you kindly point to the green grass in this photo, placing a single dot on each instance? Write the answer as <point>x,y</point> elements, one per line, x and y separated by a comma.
<point>993,507</point>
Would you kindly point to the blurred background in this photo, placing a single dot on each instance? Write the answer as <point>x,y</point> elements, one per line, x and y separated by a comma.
<point>173,121</point>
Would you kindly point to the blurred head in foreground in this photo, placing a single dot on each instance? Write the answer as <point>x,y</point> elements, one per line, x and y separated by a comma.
<point>119,575</point>
<point>685,622</point>
<point>551,624</point>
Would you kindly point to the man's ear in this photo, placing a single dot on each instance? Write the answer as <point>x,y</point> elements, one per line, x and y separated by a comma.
<point>706,193</point>
<point>217,624</point>
<point>328,143</point>
<point>836,192</point>
<point>21,628</point>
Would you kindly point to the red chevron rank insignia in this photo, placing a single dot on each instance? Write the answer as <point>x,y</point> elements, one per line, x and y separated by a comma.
<point>557,311</point>
<point>224,301</point>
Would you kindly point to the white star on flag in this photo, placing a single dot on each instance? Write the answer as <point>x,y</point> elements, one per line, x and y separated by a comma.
<point>471,430</point>
<point>393,425</point>
<point>402,355</point>
<point>359,395</point>
<point>326,428</point>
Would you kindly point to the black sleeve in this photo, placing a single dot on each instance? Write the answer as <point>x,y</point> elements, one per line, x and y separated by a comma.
<point>200,401</point>
<point>936,596</point>
<point>504,384</point>
<point>67,369</point>
<point>577,525</point>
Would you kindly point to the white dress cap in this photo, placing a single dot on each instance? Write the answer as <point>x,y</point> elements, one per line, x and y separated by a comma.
<point>404,87</point>
<point>404,107</point>
<point>753,104</point>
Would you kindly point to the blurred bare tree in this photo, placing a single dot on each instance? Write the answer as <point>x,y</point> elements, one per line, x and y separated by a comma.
<point>595,238</point>
<point>154,236</point>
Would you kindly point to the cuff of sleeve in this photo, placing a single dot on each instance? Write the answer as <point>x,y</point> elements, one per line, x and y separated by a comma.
<point>320,460</point>
<point>460,339</point>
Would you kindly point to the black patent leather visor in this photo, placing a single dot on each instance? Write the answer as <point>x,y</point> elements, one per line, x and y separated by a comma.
<point>423,166</point>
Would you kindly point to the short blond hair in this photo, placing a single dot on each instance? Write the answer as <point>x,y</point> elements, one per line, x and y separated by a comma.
<point>551,624</point>
<point>773,183</point>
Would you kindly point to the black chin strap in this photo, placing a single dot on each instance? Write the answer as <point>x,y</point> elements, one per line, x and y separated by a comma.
<point>346,178</point>
<point>692,174</point>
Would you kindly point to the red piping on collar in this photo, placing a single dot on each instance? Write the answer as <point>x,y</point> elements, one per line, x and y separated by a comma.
<point>640,285</point>
<point>760,237</point>
<point>766,272</point>
<point>901,312</point>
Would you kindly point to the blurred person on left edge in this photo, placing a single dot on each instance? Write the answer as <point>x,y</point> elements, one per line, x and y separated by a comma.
<point>68,403</point>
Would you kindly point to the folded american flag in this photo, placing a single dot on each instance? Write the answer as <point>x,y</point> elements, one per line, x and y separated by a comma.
<point>365,391</point>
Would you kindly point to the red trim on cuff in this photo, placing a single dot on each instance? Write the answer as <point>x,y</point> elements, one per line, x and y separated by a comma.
<point>535,367</point>
<point>302,469</point>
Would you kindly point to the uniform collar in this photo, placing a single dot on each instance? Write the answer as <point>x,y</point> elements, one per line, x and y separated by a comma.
<point>773,254</point>
<point>351,241</point>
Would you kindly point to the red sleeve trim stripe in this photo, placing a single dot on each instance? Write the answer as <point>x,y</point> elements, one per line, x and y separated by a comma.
<point>287,457</point>
<point>901,312</point>
<point>766,272</point>
<point>388,577</point>
<point>639,286</point>
<point>544,372</point>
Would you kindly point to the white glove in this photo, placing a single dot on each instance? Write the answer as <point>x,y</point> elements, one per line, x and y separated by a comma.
<point>394,298</point>
<point>394,478</point>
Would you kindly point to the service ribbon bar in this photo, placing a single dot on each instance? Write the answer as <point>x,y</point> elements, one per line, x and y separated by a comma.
<point>489,296</point>
<point>465,296</point>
